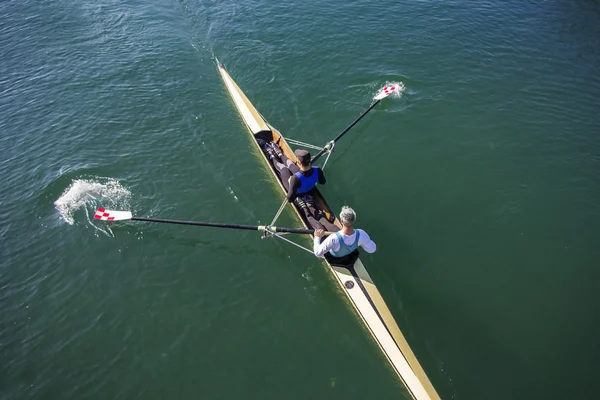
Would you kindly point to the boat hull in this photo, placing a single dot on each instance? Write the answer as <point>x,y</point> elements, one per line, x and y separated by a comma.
<point>354,280</point>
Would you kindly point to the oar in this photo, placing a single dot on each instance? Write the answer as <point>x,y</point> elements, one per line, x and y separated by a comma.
<point>109,215</point>
<point>383,93</point>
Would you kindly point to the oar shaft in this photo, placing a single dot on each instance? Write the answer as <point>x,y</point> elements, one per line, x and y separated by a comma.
<point>338,137</point>
<point>230,226</point>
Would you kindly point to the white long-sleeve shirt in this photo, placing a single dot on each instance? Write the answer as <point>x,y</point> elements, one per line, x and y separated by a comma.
<point>332,243</point>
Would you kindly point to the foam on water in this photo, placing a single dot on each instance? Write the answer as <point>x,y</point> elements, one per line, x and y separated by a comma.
<point>232,193</point>
<point>91,193</point>
<point>398,92</point>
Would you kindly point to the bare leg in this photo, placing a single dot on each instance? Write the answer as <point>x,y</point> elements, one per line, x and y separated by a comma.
<point>322,224</point>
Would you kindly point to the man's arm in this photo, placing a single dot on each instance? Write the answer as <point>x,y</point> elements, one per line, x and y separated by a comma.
<point>365,242</point>
<point>294,185</point>
<point>319,249</point>
<point>321,176</point>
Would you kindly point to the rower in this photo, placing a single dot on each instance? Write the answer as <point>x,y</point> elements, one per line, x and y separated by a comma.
<point>299,178</point>
<point>344,242</point>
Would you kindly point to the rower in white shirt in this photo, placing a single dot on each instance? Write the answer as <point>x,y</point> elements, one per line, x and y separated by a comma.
<point>343,242</point>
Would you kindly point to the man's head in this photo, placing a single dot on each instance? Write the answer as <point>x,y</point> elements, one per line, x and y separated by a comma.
<point>303,157</point>
<point>347,216</point>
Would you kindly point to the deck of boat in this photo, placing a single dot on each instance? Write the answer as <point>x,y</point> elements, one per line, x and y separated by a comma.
<point>353,279</point>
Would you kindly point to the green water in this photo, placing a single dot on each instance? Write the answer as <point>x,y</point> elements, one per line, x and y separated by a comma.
<point>480,186</point>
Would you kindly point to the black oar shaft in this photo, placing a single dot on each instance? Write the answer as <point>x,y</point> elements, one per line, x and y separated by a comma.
<point>338,137</point>
<point>217,225</point>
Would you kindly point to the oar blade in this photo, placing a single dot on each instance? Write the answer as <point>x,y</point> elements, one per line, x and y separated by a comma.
<point>110,215</point>
<point>387,90</point>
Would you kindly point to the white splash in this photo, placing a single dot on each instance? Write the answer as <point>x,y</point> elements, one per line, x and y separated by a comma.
<point>401,88</point>
<point>94,193</point>
<point>398,89</point>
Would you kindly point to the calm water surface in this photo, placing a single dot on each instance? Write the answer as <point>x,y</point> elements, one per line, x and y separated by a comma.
<point>480,186</point>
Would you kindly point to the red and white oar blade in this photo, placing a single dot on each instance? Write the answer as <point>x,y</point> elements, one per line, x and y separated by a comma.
<point>387,90</point>
<point>109,215</point>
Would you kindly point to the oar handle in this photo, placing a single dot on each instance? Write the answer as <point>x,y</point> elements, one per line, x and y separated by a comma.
<point>338,137</point>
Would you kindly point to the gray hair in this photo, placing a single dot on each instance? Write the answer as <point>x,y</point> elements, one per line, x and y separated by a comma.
<point>347,216</point>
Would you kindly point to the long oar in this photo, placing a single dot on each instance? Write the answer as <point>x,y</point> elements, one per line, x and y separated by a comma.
<point>383,93</point>
<point>109,215</point>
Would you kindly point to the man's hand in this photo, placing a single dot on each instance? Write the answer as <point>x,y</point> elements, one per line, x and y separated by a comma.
<point>319,233</point>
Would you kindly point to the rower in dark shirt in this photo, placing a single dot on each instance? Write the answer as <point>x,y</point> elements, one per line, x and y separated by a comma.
<point>305,179</point>
<point>300,178</point>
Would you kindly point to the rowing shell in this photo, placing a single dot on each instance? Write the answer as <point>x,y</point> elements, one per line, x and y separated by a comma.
<point>354,280</point>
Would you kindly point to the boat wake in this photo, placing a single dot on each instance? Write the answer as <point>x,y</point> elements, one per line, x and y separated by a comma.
<point>89,194</point>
